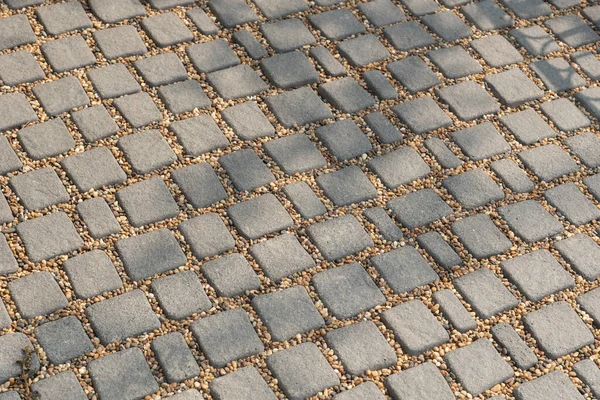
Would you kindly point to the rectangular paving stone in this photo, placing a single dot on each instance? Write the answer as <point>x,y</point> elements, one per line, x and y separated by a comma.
<point>422,381</point>
<point>557,74</point>
<point>422,115</point>
<point>565,115</point>
<point>581,252</point>
<point>384,223</point>
<point>419,208</point>
<point>454,311</point>
<point>199,135</point>
<point>304,200</point>
<point>15,111</point>
<point>231,275</point>
<point>20,67</point>
<point>236,82</point>
<point>232,13</point>
<point>61,95</point>
<point>513,87</point>
<point>588,372</point>
<point>447,25</point>
<point>554,384</point>
<point>344,139</point>
<point>572,30</point>
<point>512,176</point>
<point>181,295</point>
<point>92,274</point>
<point>593,184</point>
<point>339,237</point>
<point>298,107</point>
<point>259,216</point>
<point>244,382</point>
<point>535,40</point>
<point>379,85</point>
<point>63,339</point>
<point>161,69</point>
<point>474,188</point>
<point>94,123</point>
<point>199,184</point>
<point>385,131</point>
<point>528,9</point>
<point>289,34</point>
<point>441,252</point>
<point>346,95</point>
<point>113,11</point>
<point>468,100</point>
<point>295,153</point>
<point>147,201</point>
<point>6,214</point>
<point>480,236</point>
<point>487,15</point>
<point>248,121</point>
<point>530,221</point>
<point>98,217</point>
<point>12,348</point>
<point>548,162</point>
<point>47,139</point>
<point>496,50</point>
<point>481,141</point>
<point>454,62</point>
<point>184,96</point>
<point>207,235</point>
<point>39,188</point>
<point>289,70</point>
<point>205,25</point>
<point>485,293</point>
<point>443,155</point>
<point>246,170</point>
<point>114,80</point>
<point>382,12</point>
<point>94,169</point>
<point>10,161</point>
<point>585,146</point>
<point>408,35</point>
<point>399,167</point>
<point>37,294</point>
<point>281,256</point>
<point>337,24</point>
<point>589,100</point>
<point>404,269</point>
<point>5,320</point>
<point>138,109</point>
<point>589,302</point>
<point>568,199</point>
<point>413,74</point>
<point>63,385</point>
<point>588,62</point>
<point>15,31</point>
<point>347,186</point>
<point>517,349</point>
<point>365,391</point>
<point>363,50</point>
<point>274,9</point>
<point>167,29</point>
<point>120,41</point>
<point>8,262</point>
<point>175,357</point>
<point>68,53</point>
<point>527,126</point>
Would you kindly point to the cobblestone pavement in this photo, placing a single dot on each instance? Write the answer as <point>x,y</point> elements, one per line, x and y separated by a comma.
<point>276,199</point>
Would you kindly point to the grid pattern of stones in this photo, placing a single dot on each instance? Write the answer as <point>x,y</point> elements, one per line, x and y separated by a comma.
<point>438,120</point>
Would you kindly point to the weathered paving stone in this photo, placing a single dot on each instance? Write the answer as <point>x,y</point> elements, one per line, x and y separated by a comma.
<point>346,95</point>
<point>347,291</point>
<point>298,107</point>
<point>497,51</point>
<point>289,70</point>
<point>248,121</point>
<point>20,67</point>
<point>337,24</point>
<point>243,383</point>
<point>232,13</point>
<point>585,146</point>
<point>199,184</point>
<point>592,14</point>
<point>113,11</point>
<point>422,7</point>
<point>593,185</point>
<point>339,237</point>
<point>63,339</point>
<point>39,188</point>
<point>558,330</point>
<point>378,84</point>
<point>447,25</point>
<point>227,336</point>
<point>527,126</point>
<point>37,294</point>
<point>190,394</point>
<point>568,199</point>
<point>273,9</point>
<point>287,313</point>
<point>161,69</point>
<point>147,201</point>
<point>150,253</point>
<point>478,366</point>
<point>15,31</point>
<point>138,109</point>
<point>480,236</point>
<point>454,311</point>
<point>98,217</point>
<point>5,320</point>
<point>365,391</point>
<point>167,29</point>
<point>382,12</point>
<point>454,62</point>
<point>62,18</point>
<point>386,226</point>
<point>363,50</point>
<point>94,169</point>
<point>302,371</point>
<point>147,151</point>
<point>588,62</point>
<point>295,153</point>
<point>572,30</point>
<point>513,87</point>
<point>259,216</point>
<point>199,135</point>
<point>413,74</point>
<point>63,385</point>
<point>481,141</point>
<point>408,35</point>
<point>535,40</point>
<point>528,9</point>
<point>94,123</point>
<point>517,349</point>
<point>10,161</point>
<point>281,256</point>
<point>13,347</point>
<point>207,235</point>
<point>385,131</point>
<point>304,200</point>
<point>175,357</point>
<point>581,252</point>
<point>588,372</point>
<point>17,4</point>
<point>231,275</point>
<point>344,139</point>
<point>287,35</point>
<point>552,385</point>
<point>71,52</point>
<point>565,115</point>
<point>92,274</point>
<point>181,295</point>
<point>8,262</point>
<point>415,327</point>
<point>404,269</point>
<point>442,253</point>
<point>123,316</point>
<point>485,293</point>
<point>443,155</point>
<point>253,47</point>
<point>474,188</point>
<point>530,221</point>
<point>589,100</point>
<point>236,82</point>
<point>49,236</point>
<point>548,162</point>
<point>246,170</point>
<point>205,25</point>
<point>557,74</point>
<point>61,95</point>
<point>424,381</point>
<point>6,214</point>
<point>487,15</point>
<point>422,115</point>
<point>183,96</point>
<point>113,81</point>
<point>399,167</point>
<point>468,100</point>
<point>47,139</point>
<point>347,186</point>
<point>107,374</point>
<point>121,41</point>
<point>15,111</point>
<point>419,208</point>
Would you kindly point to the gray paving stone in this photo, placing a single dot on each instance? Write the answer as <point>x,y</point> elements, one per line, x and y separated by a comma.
<point>513,87</point>
<point>443,155</point>
<point>528,9</point>
<point>161,69</point>
<point>557,74</point>
<point>92,274</point>
<point>287,35</point>
<point>273,9</point>
<point>517,349</point>
<point>581,252</point>
<point>259,216</point>
<point>113,11</point>
<point>47,139</point>
<point>558,330</point>
<point>535,40</point>
<point>253,47</point>
<point>337,24</point>
<point>487,15</point>
<point>568,199</point>
<point>107,374</point>
<point>496,50</point>
<point>382,12</point>
<point>199,184</point>
<point>95,123</point>
<point>138,109</point>
<point>565,115</point>
<point>63,385</point>
<point>150,253</point>
<point>248,121</point>
<point>175,358</point>
<point>302,371</point>
<point>181,295</point>
<point>68,53</point>
<point>419,208</point>
<point>166,4</point>
<point>20,67</point>
<point>346,95</point>
<point>480,236</point>
<point>212,56</point>
<point>190,394</point>
<point>184,96</point>
<point>454,62</point>
<point>478,366</point>
<point>468,100</point>
<point>98,217</point>
<point>413,74</point>
<point>408,35</point>
<point>572,30</point>
<point>593,185</point>
<point>304,200</point>
<point>63,339</point>
<point>404,269</point>
<point>454,311</point>
<point>588,62</point>
<point>474,188</point>
<point>344,139</point>
<point>231,275</point>
<point>287,313</point>
<point>363,50</point>
<point>61,95</point>
<point>585,146</point>
<point>16,111</point>
<point>167,29</point>
<point>62,18</point>
<point>48,236</point>
<point>552,385</point>
<point>347,186</point>
<point>147,201</point>
<point>481,141</point>
<point>378,84</point>
<point>227,336</point>
<point>527,126</point>
<point>422,115</point>
<point>295,153</point>
<point>386,226</point>
<point>205,25</point>
<point>442,252</point>
<point>289,70</point>
<point>281,256</point>
<point>17,4</point>
<point>207,235</point>
<point>236,82</point>
<point>399,167</point>
<point>588,372</point>
<point>10,395</point>
<point>298,107</point>
<point>123,316</point>
<point>6,214</point>
<point>485,293</point>
<point>232,13</point>
<point>588,302</point>
<point>13,346</point>
<point>548,162</point>
<point>347,291</point>
<point>199,135</point>
<point>39,188</point>
<point>592,14</point>
<point>421,382</point>
<point>588,99</point>
<point>385,131</point>
<point>245,383</point>
<point>8,262</point>
<point>447,25</point>
<point>114,80</point>
<point>246,170</point>
<point>146,151</point>
<point>10,161</point>
<point>339,237</point>
<point>530,221</point>
<point>121,41</point>
<point>37,295</point>
<point>15,31</point>
<point>94,169</point>
<point>365,391</point>
<point>5,320</point>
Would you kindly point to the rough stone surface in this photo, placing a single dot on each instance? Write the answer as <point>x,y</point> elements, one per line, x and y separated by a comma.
<point>404,269</point>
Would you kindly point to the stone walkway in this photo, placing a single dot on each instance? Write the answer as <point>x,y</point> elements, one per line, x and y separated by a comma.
<point>276,199</point>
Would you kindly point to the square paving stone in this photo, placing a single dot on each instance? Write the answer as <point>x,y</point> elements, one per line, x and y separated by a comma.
<point>289,70</point>
<point>304,200</point>
<point>454,62</point>
<point>346,95</point>
<point>528,9</point>
<point>581,252</point>
<point>147,201</point>
<point>478,366</point>
<point>68,53</point>
<point>259,216</point>
<point>468,100</point>
<point>382,12</point>
<point>63,340</point>
<point>586,146</point>
<point>347,291</point>
<point>589,302</point>
<point>420,7</point>
<point>497,51</point>
<point>347,186</point>
<point>481,141</point>
<point>246,170</point>
<point>537,274</point>
<point>530,221</point>
<point>8,262</point>
<point>37,295</point>
<point>558,330</point>
<point>13,347</point>
<point>113,11</point>
<point>207,235</point>
<point>527,126</point>
<point>107,374</point>
<point>588,372</point>
<point>138,109</point>
<point>92,274</point>
<point>161,69</point>
<point>167,29</point>
<point>557,74</point>
<point>15,31</point>
<point>114,80</point>
<point>485,293</point>
<point>422,115</point>
<point>147,151</point>
<point>564,4</point>
<point>10,161</point>
<point>535,40</point>
<point>415,327</point>
<point>61,95</point>
<point>295,154</point>
<point>344,139</point>
<point>552,385</point>
<point>121,41</point>
<point>419,208</point>
<point>473,188</point>
<point>98,217</point>
<point>227,336</point>
<point>361,347</point>
<point>62,18</point>
<point>39,188</point>
<point>399,167</point>
<point>480,236</point>
<point>298,107</point>
<point>181,295</point>
<point>363,50</point>
<point>231,13</point>
<point>184,96</point>
<point>150,253</point>
<point>212,56</point>
<point>548,162</point>
<point>17,4</point>
<point>408,35</point>
<point>513,87</point>
<point>248,121</point>
<point>231,275</point>
<point>565,115</point>
<point>568,199</point>
<point>593,184</point>
<point>274,9</point>
<point>15,111</point>
<point>487,15</point>
<point>95,123</point>
<point>424,381</point>
<point>20,67</point>
<point>302,371</point>
<point>175,357</point>
<point>588,62</point>
<point>287,35</point>
<point>94,169</point>
<point>447,25</point>
<point>48,236</point>
<point>123,316</point>
<point>47,139</point>
<point>572,30</point>
<point>339,237</point>
<point>413,74</point>
<point>199,135</point>
<point>199,184</point>
<point>287,313</point>
<point>365,391</point>
<point>244,383</point>
<point>63,385</point>
<point>589,100</point>
<point>337,24</point>
<point>236,82</point>
<point>281,256</point>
